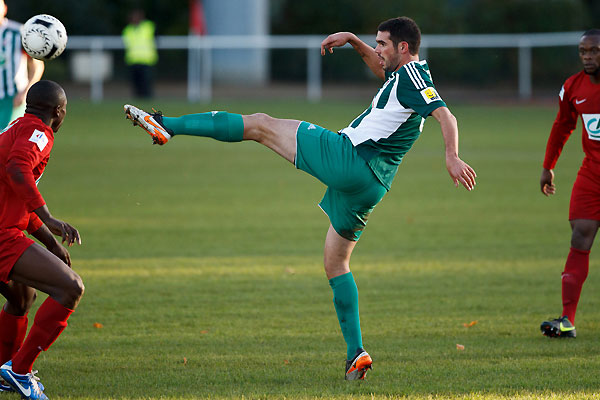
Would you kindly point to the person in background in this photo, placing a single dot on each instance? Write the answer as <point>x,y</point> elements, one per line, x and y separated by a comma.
<point>579,96</point>
<point>140,52</point>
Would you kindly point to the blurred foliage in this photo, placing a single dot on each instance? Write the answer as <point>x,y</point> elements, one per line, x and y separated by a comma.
<point>495,67</point>
<point>104,17</point>
<point>434,16</point>
<point>107,17</point>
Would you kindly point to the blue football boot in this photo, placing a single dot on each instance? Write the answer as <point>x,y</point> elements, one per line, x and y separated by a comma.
<point>26,385</point>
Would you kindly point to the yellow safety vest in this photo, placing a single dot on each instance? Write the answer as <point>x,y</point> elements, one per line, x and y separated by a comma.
<point>139,44</point>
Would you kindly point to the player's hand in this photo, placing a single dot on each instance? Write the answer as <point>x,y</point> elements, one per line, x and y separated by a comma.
<point>335,40</point>
<point>547,182</point>
<point>60,228</point>
<point>60,252</point>
<point>461,172</point>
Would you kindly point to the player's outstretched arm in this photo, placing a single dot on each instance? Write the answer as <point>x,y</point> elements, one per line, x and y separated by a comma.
<point>60,228</point>
<point>35,70</point>
<point>547,182</point>
<point>459,171</point>
<point>364,50</point>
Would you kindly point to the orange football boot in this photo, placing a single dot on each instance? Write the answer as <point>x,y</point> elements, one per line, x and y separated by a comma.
<point>151,123</point>
<point>357,367</point>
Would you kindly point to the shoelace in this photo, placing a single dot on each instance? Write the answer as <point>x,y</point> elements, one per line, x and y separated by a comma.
<point>34,381</point>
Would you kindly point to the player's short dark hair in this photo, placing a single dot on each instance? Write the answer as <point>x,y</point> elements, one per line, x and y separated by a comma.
<point>403,29</point>
<point>591,32</point>
<point>45,95</point>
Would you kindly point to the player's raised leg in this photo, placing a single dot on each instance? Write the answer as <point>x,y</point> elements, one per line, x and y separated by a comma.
<point>277,134</point>
<point>345,299</point>
<point>40,269</point>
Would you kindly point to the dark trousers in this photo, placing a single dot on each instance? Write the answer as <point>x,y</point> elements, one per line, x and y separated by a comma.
<point>141,79</point>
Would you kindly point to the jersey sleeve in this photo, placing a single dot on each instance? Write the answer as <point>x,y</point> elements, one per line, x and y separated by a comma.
<point>416,91</point>
<point>34,223</point>
<point>563,126</point>
<point>30,148</point>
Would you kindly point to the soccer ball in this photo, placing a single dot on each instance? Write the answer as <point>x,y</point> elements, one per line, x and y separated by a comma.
<point>44,37</point>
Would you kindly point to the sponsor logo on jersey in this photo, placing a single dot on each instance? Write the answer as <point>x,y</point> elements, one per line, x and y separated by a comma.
<point>580,101</point>
<point>430,95</point>
<point>39,138</point>
<point>311,127</point>
<point>591,122</point>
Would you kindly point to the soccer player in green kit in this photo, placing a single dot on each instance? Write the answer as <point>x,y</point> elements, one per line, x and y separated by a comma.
<point>18,71</point>
<point>357,164</point>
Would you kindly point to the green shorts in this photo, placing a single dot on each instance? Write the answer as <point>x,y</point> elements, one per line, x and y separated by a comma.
<point>6,111</point>
<point>353,190</point>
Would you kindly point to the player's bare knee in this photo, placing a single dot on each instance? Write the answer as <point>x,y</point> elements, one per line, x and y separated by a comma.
<point>262,119</point>
<point>78,288</point>
<point>257,126</point>
<point>583,235</point>
<point>581,242</point>
<point>335,267</point>
<point>73,292</point>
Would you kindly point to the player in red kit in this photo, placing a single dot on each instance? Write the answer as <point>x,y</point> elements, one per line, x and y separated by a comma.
<point>579,96</point>
<point>25,147</point>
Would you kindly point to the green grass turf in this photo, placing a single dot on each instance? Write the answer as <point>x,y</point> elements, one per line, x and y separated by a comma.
<point>202,261</point>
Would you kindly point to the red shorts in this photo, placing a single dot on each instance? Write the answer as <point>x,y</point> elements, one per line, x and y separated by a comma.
<point>585,197</point>
<point>13,244</point>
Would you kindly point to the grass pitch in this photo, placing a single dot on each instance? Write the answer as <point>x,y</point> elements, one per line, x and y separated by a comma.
<point>203,266</point>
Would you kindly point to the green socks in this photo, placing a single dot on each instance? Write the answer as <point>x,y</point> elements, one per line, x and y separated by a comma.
<point>345,300</point>
<point>219,125</point>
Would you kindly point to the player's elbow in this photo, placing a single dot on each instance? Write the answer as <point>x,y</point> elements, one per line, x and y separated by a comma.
<point>444,116</point>
<point>452,119</point>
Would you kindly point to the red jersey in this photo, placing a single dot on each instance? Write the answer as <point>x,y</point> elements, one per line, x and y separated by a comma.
<point>578,96</point>
<point>25,147</point>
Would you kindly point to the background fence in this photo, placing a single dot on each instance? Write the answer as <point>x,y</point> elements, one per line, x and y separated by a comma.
<point>200,64</point>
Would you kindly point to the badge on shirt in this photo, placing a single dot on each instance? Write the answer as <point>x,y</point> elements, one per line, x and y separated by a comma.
<point>39,138</point>
<point>591,122</point>
<point>430,95</point>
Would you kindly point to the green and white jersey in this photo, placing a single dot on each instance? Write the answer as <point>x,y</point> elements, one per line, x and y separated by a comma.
<point>11,54</point>
<point>386,130</point>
